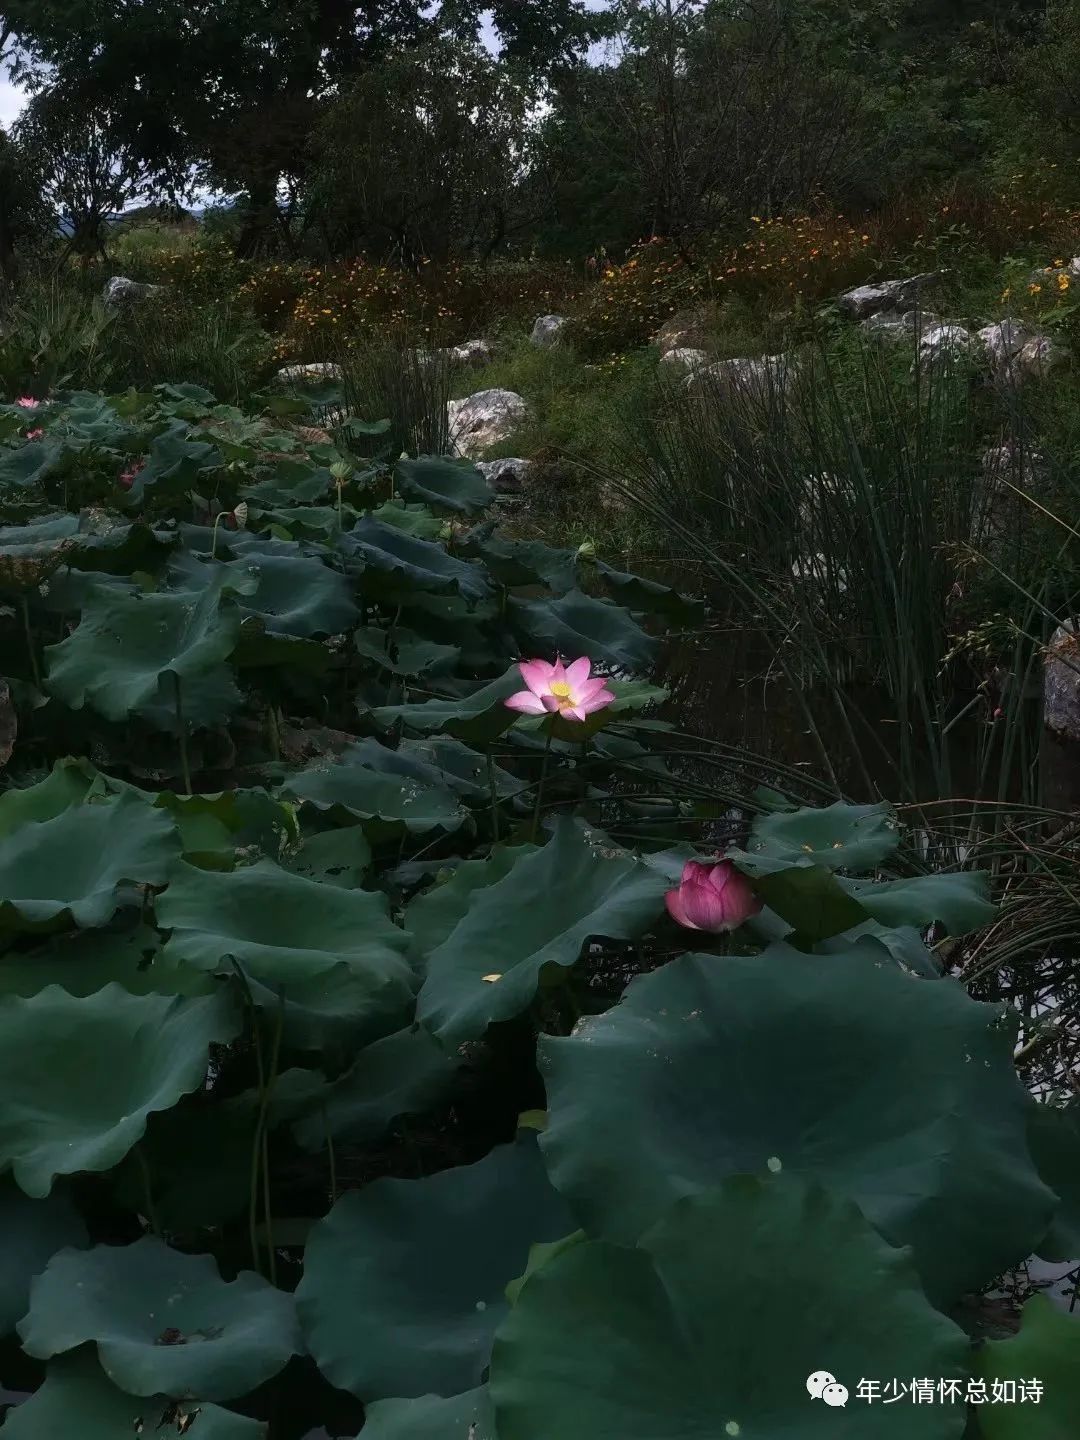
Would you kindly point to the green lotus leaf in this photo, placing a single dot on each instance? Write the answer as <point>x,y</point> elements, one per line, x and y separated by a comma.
<point>650,596</point>
<point>437,760</point>
<point>128,651</point>
<point>1054,1136</point>
<point>524,562</point>
<point>838,837</point>
<point>386,560</point>
<point>23,468</point>
<point>587,894</point>
<point>173,466</point>
<point>455,486</point>
<point>429,1259</point>
<point>403,652</point>
<point>68,783</point>
<point>118,548</point>
<point>75,1386</point>
<point>809,899</point>
<point>692,1333</point>
<point>898,1093</point>
<point>80,1076</point>
<point>292,482</point>
<point>68,870</point>
<point>391,797</point>
<point>431,917</point>
<point>1046,1355</point>
<point>164,1323</point>
<point>431,1417</point>
<point>961,902</point>
<point>402,1074</point>
<point>479,716</point>
<point>291,594</point>
<point>413,519</point>
<point>577,624</point>
<point>31,1232</point>
<point>30,552</point>
<point>82,962</point>
<point>338,856</point>
<point>217,828</point>
<point>333,955</point>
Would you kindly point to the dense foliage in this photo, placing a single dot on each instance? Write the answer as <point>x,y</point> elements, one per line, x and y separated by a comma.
<point>350,1028</point>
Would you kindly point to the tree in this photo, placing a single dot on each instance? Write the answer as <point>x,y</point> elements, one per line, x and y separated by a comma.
<point>88,168</point>
<point>229,86</point>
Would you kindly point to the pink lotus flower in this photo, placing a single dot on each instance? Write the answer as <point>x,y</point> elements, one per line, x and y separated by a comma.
<point>713,896</point>
<point>569,691</point>
<point>27,402</point>
<point>35,434</point>
<point>127,478</point>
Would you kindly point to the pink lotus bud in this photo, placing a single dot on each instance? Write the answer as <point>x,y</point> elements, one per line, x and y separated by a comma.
<point>570,691</point>
<point>712,896</point>
<point>127,478</point>
<point>35,434</point>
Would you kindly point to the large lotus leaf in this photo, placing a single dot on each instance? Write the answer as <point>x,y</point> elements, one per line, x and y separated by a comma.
<point>333,954</point>
<point>391,799</point>
<point>292,482</point>
<point>524,562</point>
<point>437,760</point>
<point>83,962</point>
<point>961,902</point>
<point>838,837</point>
<point>68,870</point>
<point>578,624</point>
<point>164,1323</point>
<point>809,898</point>
<point>432,1417</point>
<point>413,519</point>
<point>650,595</point>
<point>79,1077</point>
<point>431,917</point>
<point>387,561</point>
<point>428,1259</point>
<point>76,1387</point>
<point>403,652</point>
<point>452,485</point>
<point>29,553</point>
<point>106,545</point>
<point>67,784</point>
<point>31,1232</point>
<point>1045,1355</point>
<point>172,467</point>
<point>24,467</point>
<point>692,1333</point>
<point>482,715</point>
<point>129,650</point>
<point>292,594</point>
<point>1054,1136</point>
<point>488,967</point>
<point>899,1093</point>
<point>338,856</point>
<point>217,829</point>
<point>402,1074</point>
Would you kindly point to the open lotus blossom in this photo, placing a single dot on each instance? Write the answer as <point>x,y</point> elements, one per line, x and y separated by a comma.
<point>35,434</point>
<point>27,402</point>
<point>713,896</point>
<point>571,690</point>
<point>127,478</point>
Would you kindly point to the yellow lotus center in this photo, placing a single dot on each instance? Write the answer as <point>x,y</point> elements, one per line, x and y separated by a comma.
<point>561,690</point>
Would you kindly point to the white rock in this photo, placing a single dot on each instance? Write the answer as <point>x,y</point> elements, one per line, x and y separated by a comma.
<point>474,353</point>
<point>867,300</point>
<point>309,374</point>
<point>1061,682</point>
<point>122,291</point>
<point>1004,341</point>
<point>546,331</point>
<point>1041,355</point>
<point>1073,267</point>
<point>683,360</point>
<point>506,476</point>
<point>953,341</point>
<point>487,418</point>
<point>758,376</point>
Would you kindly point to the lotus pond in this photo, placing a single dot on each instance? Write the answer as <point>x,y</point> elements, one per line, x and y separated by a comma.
<point>378,1054</point>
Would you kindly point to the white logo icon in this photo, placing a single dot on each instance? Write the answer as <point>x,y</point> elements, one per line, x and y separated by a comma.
<point>823,1386</point>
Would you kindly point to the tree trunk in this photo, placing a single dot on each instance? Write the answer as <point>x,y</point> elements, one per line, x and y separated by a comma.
<point>261,221</point>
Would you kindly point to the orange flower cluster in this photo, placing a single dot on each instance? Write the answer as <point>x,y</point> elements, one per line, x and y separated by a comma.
<point>785,259</point>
